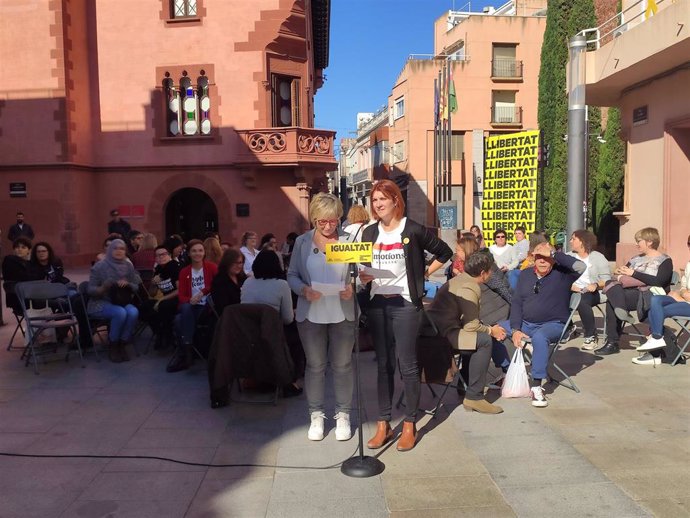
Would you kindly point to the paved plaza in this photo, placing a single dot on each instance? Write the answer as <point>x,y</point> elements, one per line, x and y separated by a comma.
<point>620,448</point>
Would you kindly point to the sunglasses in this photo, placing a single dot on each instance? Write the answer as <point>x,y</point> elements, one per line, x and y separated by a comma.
<point>500,237</point>
<point>537,286</point>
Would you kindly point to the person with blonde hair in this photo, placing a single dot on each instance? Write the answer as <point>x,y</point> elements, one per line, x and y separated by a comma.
<point>359,219</point>
<point>145,256</point>
<point>325,321</point>
<point>249,241</point>
<point>650,268</point>
<point>214,252</point>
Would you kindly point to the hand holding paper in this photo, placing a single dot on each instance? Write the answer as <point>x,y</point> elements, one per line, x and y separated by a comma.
<point>377,273</point>
<point>327,289</point>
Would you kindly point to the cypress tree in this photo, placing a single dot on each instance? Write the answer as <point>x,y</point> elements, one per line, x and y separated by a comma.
<point>564,19</point>
<point>608,180</point>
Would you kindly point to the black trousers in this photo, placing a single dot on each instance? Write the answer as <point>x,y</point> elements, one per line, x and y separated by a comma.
<point>618,297</point>
<point>586,312</point>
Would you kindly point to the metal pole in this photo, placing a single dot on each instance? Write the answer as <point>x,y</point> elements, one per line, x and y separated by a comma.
<point>576,135</point>
<point>437,96</point>
<point>449,151</point>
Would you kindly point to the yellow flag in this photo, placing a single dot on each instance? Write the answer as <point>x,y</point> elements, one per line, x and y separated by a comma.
<point>651,10</point>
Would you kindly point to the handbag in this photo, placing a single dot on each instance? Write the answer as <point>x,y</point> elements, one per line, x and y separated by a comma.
<point>120,296</point>
<point>516,383</point>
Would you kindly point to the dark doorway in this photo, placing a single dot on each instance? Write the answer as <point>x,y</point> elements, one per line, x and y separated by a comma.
<point>191,213</point>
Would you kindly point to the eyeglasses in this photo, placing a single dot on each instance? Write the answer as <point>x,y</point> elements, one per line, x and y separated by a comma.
<point>161,254</point>
<point>500,237</point>
<point>537,286</point>
<point>324,222</point>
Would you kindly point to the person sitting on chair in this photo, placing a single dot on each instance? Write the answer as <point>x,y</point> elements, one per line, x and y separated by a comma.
<point>16,268</point>
<point>226,288</point>
<point>455,311</point>
<point>540,309</point>
<point>193,286</point>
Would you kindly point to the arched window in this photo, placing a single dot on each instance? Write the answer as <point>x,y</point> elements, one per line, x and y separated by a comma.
<point>188,105</point>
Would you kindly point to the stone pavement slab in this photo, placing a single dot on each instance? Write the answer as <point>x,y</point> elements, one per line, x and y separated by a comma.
<point>619,448</point>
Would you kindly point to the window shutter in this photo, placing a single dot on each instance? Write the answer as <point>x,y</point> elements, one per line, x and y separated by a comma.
<point>295,98</point>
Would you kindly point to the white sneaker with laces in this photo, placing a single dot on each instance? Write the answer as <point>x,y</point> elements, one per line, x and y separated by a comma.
<point>343,432</point>
<point>590,343</point>
<point>647,359</point>
<point>652,344</point>
<point>539,398</point>
<point>316,429</point>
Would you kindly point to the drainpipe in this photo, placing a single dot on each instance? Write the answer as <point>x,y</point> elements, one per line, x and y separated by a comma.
<point>577,145</point>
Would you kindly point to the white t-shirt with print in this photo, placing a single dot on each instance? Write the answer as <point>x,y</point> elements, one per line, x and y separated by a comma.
<point>198,283</point>
<point>388,254</point>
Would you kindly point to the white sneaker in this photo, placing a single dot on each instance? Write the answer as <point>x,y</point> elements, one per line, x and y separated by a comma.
<point>647,359</point>
<point>651,344</point>
<point>316,429</point>
<point>343,432</point>
<point>539,398</point>
<point>590,343</point>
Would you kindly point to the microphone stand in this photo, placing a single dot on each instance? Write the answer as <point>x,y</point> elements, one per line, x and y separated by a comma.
<point>360,466</point>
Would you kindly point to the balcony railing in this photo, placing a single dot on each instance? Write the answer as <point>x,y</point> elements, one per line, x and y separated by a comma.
<point>287,146</point>
<point>506,68</point>
<point>509,115</point>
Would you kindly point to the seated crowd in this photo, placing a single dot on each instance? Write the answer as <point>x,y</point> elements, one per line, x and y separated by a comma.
<point>497,297</point>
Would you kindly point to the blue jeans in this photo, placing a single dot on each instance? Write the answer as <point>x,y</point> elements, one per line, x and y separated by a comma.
<point>542,336</point>
<point>513,276</point>
<point>662,307</point>
<point>394,325</point>
<point>122,320</point>
<point>186,319</point>
<point>324,344</point>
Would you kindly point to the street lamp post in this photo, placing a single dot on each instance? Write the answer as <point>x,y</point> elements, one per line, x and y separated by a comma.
<point>577,140</point>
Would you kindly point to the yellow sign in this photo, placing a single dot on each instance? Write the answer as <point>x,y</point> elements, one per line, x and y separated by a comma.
<point>510,183</point>
<point>349,252</point>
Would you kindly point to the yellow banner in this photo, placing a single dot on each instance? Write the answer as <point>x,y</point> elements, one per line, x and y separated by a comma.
<point>349,252</point>
<point>510,183</point>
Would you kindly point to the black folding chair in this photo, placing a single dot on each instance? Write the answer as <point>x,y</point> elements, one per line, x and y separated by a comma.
<point>97,326</point>
<point>47,294</point>
<point>8,286</point>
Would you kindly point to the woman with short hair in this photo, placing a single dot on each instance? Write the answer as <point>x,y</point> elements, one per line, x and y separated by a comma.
<point>395,307</point>
<point>582,244</point>
<point>650,268</point>
<point>325,321</point>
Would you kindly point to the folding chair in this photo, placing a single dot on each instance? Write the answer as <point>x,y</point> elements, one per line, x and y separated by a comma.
<point>684,323</point>
<point>58,295</point>
<point>96,325</point>
<point>555,346</point>
<point>8,286</point>
<point>439,364</point>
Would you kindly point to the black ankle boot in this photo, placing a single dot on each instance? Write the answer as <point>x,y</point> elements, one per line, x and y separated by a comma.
<point>609,348</point>
<point>181,360</point>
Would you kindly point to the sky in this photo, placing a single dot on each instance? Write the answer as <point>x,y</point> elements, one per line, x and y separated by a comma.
<point>370,40</point>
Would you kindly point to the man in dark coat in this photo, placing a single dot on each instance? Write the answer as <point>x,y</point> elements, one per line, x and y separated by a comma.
<point>20,229</point>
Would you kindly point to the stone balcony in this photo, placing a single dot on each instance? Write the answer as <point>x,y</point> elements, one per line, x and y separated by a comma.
<point>289,146</point>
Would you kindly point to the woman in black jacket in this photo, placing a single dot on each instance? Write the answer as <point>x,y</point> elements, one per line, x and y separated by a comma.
<point>395,307</point>
<point>226,288</point>
<point>45,266</point>
<point>16,268</point>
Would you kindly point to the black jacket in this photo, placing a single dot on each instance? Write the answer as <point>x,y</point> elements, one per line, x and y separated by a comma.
<point>225,292</point>
<point>16,232</point>
<point>14,270</point>
<point>416,239</point>
<point>121,227</point>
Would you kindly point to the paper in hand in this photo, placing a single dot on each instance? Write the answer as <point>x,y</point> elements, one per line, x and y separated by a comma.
<point>327,289</point>
<point>377,273</point>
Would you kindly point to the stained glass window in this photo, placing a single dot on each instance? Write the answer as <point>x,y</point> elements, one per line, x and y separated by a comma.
<point>188,105</point>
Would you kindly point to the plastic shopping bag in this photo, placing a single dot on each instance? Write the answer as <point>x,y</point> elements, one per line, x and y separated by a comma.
<point>516,383</point>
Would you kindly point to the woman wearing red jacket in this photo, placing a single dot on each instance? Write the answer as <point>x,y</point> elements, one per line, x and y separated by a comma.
<point>193,287</point>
